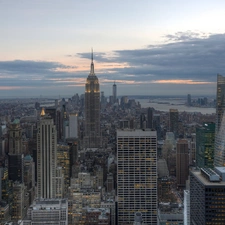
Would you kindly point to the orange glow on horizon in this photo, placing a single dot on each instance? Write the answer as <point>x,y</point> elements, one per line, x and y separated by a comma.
<point>180,82</point>
<point>3,88</point>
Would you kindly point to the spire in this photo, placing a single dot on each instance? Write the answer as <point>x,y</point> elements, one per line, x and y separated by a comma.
<point>92,64</point>
<point>42,112</point>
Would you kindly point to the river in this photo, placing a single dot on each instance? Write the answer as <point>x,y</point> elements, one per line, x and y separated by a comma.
<point>166,104</point>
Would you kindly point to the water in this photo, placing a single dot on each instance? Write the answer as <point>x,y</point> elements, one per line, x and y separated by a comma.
<point>166,104</point>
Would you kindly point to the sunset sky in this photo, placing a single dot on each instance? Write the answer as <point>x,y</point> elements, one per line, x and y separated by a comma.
<point>163,47</point>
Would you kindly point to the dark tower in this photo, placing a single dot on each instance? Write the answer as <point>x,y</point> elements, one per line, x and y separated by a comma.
<point>150,118</point>
<point>15,155</point>
<point>92,110</point>
<point>114,93</point>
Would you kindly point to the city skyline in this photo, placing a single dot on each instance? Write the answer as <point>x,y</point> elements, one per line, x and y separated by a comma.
<point>147,48</point>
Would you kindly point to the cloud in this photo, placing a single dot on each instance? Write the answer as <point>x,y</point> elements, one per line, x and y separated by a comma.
<point>98,56</point>
<point>185,36</point>
<point>186,61</point>
<point>191,56</point>
<point>38,75</point>
<point>29,66</point>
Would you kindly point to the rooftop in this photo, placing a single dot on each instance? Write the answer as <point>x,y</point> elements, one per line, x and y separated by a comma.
<point>204,180</point>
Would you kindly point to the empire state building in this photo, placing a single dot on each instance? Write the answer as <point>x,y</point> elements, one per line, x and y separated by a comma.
<point>92,110</point>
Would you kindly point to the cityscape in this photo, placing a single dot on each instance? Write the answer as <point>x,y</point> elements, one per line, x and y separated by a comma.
<point>112,113</point>
<point>91,159</point>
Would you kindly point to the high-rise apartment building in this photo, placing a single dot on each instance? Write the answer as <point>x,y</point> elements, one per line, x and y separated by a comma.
<point>219,153</point>
<point>92,110</point>
<point>205,143</point>
<point>137,175</point>
<point>114,93</point>
<point>46,157</point>
<point>207,196</point>
<point>173,121</point>
<point>182,162</point>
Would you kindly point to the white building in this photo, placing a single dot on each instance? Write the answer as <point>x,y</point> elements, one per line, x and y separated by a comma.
<point>47,211</point>
<point>186,207</point>
<point>46,157</point>
<point>137,175</point>
<point>73,126</point>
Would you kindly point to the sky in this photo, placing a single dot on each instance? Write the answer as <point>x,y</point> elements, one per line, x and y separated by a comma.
<point>164,47</point>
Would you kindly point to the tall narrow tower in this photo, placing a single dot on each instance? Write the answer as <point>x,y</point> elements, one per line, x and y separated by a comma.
<point>182,161</point>
<point>92,110</point>
<point>205,144</point>
<point>173,121</point>
<point>219,152</point>
<point>15,156</point>
<point>46,157</point>
<point>114,92</point>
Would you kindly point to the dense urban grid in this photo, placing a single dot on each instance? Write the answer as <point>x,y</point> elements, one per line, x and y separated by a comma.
<point>97,160</point>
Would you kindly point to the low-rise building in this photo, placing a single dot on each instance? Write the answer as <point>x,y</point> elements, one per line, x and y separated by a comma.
<point>47,211</point>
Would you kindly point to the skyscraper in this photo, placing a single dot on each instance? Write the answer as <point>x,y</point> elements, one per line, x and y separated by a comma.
<point>150,118</point>
<point>173,121</point>
<point>15,152</point>
<point>92,110</point>
<point>207,196</point>
<point>73,126</point>
<point>219,153</point>
<point>46,157</point>
<point>205,143</point>
<point>188,100</point>
<point>186,207</point>
<point>182,162</point>
<point>114,93</point>
<point>143,121</point>
<point>137,175</point>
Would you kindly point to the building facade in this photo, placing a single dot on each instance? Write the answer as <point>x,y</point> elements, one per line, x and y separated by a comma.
<point>47,211</point>
<point>73,126</point>
<point>46,157</point>
<point>205,143</point>
<point>207,196</point>
<point>137,175</point>
<point>188,100</point>
<point>182,162</point>
<point>173,121</point>
<point>219,153</point>
<point>150,118</point>
<point>114,93</point>
<point>92,110</point>
<point>15,155</point>
<point>186,207</point>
